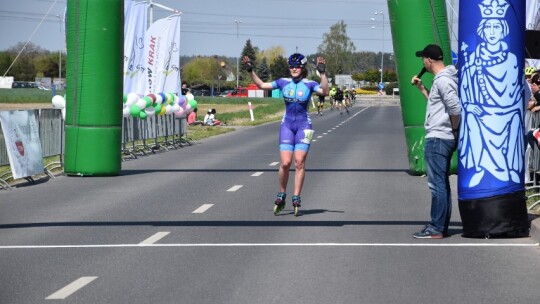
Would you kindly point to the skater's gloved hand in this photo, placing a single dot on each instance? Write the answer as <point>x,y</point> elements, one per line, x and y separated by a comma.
<point>247,64</point>
<point>321,65</point>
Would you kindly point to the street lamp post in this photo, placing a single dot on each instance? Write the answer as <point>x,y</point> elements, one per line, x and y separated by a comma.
<point>60,19</point>
<point>382,52</point>
<point>237,58</point>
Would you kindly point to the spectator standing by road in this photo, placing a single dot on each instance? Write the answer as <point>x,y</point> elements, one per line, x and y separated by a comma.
<point>443,116</point>
<point>532,121</point>
<point>184,89</point>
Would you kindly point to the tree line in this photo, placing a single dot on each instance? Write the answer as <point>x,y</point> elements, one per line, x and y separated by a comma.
<point>217,71</point>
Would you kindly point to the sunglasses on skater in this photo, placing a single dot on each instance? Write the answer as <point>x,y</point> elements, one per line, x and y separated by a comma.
<point>294,67</point>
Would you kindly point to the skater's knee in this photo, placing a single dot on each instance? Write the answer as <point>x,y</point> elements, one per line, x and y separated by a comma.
<point>286,164</point>
<point>299,165</point>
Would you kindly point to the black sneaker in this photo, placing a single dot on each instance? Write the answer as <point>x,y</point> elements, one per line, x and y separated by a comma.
<point>428,233</point>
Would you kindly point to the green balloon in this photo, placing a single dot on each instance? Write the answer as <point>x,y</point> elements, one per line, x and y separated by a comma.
<point>134,110</point>
<point>125,98</point>
<point>170,98</point>
<point>157,107</point>
<point>142,115</point>
<point>148,101</point>
<point>193,103</point>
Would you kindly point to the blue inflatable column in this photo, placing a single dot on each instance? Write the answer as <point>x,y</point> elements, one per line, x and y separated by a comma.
<point>491,189</point>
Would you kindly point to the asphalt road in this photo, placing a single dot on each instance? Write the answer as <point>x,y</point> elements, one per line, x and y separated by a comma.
<point>195,225</point>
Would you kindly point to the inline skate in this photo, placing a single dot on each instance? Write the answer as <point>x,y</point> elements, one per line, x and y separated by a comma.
<point>280,202</point>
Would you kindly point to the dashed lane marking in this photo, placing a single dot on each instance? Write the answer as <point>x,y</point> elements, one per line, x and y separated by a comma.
<point>203,208</point>
<point>71,288</point>
<point>274,164</point>
<point>257,174</point>
<point>156,237</point>
<point>235,188</point>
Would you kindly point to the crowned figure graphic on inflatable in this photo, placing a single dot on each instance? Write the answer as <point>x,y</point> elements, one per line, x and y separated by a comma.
<point>491,144</point>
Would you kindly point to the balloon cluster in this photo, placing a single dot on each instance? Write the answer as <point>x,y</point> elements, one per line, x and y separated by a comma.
<point>158,104</point>
<point>149,105</point>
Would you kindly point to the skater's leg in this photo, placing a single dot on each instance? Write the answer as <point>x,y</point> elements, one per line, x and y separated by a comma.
<point>299,174</point>
<point>284,168</point>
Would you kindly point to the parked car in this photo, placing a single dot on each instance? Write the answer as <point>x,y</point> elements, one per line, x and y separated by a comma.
<point>239,92</point>
<point>24,84</point>
<point>200,92</point>
<point>225,93</point>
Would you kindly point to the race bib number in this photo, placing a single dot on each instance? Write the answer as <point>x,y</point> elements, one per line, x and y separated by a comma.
<point>308,136</point>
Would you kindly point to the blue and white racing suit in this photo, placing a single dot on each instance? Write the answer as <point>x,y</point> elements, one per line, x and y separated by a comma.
<point>296,131</point>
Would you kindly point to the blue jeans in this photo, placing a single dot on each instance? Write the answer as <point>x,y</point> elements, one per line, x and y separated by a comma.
<point>437,155</point>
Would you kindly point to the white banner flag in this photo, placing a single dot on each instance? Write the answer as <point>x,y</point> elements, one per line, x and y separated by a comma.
<point>134,30</point>
<point>172,62</point>
<point>21,133</point>
<point>532,12</point>
<point>161,49</point>
<point>533,15</point>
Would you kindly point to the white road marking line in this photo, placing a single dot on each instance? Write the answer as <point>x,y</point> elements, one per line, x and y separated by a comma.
<point>235,188</point>
<point>257,174</point>
<point>325,133</point>
<point>276,245</point>
<point>71,288</point>
<point>314,140</point>
<point>320,136</point>
<point>203,208</point>
<point>274,164</point>
<point>154,238</point>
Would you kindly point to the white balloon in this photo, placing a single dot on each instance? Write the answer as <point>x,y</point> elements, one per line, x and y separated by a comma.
<point>58,102</point>
<point>132,98</point>
<point>150,111</point>
<point>141,103</point>
<point>189,96</point>
<point>125,111</point>
<point>159,99</point>
<point>168,109</point>
<point>176,107</point>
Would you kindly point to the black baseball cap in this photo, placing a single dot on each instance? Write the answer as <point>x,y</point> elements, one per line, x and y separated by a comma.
<point>432,51</point>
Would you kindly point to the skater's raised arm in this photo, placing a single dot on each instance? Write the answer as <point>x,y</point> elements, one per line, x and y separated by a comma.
<point>256,80</point>
<point>321,68</point>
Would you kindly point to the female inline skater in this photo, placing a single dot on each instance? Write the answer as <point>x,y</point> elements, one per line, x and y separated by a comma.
<point>296,131</point>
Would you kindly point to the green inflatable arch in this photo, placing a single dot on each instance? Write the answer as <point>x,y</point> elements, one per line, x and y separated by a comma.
<point>94,87</point>
<point>415,24</point>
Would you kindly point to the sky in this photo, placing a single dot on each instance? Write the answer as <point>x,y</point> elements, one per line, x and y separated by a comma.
<point>209,27</point>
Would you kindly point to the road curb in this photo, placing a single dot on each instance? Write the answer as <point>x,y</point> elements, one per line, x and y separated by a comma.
<point>535,230</point>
